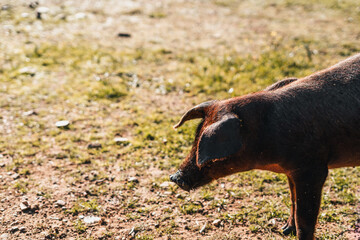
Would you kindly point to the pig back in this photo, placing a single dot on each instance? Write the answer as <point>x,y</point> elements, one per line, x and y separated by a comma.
<point>317,118</point>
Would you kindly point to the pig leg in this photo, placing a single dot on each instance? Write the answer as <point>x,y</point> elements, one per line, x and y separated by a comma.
<point>308,187</point>
<point>289,227</point>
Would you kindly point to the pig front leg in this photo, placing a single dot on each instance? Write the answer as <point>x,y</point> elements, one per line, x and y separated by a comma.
<point>308,187</point>
<point>289,227</point>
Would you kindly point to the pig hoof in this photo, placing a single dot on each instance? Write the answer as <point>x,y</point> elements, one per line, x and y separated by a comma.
<point>288,229</point>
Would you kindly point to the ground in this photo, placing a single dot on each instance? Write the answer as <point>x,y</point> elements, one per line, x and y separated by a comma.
<point>122,73</point>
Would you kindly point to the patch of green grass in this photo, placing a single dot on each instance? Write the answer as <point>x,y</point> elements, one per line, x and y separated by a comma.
<point>207,195</point>
<point>157,14</point>
<point>131,203</point>
<point>232,75</point>
<point>225,3</point>
<point>135,11</point>
<point>254,228</point>
<point>329,217</point>
<point>83,206</point>
<point>21,186</point>
<point>25,172</point>
<point>145,237</point>
<point>345,6</point>
<point>190,208</point>
<point>80,226</point>
<point>132,216</point>
<point>17,162</point>
<point>46,193</point>
<point>111,89</point>
<point>349,49</point>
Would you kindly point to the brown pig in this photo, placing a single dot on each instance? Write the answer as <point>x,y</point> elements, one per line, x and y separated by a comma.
<point>299,127</point>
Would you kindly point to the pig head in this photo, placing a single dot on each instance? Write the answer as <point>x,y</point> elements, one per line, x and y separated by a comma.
<point>218,139</point>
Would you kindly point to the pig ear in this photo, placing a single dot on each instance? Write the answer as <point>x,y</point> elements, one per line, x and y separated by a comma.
<point>198,111</point>
<point>219,140</point>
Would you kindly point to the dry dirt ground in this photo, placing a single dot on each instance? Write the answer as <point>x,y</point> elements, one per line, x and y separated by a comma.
<point>122,73</point>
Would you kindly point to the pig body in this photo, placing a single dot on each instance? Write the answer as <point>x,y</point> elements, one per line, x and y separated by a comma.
<point>299,127</point>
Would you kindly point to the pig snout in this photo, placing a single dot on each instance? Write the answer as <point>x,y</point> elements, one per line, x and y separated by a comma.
<point>178,178</point>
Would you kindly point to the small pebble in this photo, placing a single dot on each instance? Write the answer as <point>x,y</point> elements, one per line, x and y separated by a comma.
<point>121,140</point>
<point>132,232</point>
<point>40,198</point>
<point>216,222</point>
<point>62,124</point>
<point>133,179</point>
<point>179,196</point>
<point>202,230</point>
<point>45,234</point>
<point>33,4</point>
<point>60,203</point>
<point>35,207</point>
<point>24,15</point>
<point>80,15</point>
<point>94,146</point>
<point>5,7</point>
<point>91,219</point>
<point>29,113</point>
<point>27,70</point>
<point>24,206</point>
<point>272,222</point>
<point>14,229</point>
<point>14,223</point>
<point>42,9</point>
<point>15,176</point>
<point>124,35</point>
<point>4,236</point>
<point>166,184</point>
